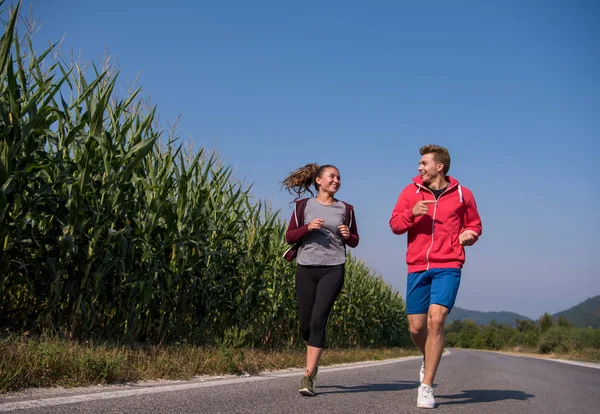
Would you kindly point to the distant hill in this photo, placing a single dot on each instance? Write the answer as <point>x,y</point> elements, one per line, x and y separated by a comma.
<point>484,318</point>
<point>587,313</point>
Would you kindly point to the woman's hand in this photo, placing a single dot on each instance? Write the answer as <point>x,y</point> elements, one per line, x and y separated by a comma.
<point>316,224</point>
<point>344,231</point>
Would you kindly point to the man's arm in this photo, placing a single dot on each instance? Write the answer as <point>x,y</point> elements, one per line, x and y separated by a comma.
<point>471,222</point>
<point>402,215</point>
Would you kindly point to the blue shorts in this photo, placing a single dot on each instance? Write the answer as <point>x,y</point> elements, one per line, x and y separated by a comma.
<point>433,286</point>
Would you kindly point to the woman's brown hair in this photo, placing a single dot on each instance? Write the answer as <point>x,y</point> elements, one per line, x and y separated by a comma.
<point>299,181</point>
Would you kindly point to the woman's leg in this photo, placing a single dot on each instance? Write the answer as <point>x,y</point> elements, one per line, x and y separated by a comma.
<point>306,290</point>
<point>329,286</point>
<point>313,355</point>
<point>329,281</point>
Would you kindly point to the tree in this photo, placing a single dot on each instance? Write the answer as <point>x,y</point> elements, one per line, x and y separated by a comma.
<point>455,326</point>
<point>545,322</point>
<point>525,325</point>
<point>468,333</point>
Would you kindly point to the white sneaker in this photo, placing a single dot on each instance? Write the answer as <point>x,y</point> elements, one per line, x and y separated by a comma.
<point>425,398</point>
<point>422,372</point>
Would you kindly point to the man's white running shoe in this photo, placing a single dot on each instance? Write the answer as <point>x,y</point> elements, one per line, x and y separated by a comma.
<point>422,372</point>
<point>425,398</point>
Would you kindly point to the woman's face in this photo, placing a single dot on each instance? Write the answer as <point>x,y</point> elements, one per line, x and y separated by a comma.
<point>329,181</point>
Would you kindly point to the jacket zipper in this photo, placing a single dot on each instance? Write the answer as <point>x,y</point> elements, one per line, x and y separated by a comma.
<point>433,220</point>
<point>432,233</point>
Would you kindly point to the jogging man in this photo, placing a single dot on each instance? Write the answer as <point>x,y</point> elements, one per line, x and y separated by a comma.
<point>441,218</point>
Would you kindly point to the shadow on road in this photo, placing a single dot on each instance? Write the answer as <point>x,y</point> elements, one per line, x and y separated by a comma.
<point>389,386</point>
<point>477,396</point>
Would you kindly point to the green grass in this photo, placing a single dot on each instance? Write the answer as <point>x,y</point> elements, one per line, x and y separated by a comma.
<point>49,361</point>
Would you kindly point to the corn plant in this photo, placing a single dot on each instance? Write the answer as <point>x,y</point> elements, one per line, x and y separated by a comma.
<point>106,233</point>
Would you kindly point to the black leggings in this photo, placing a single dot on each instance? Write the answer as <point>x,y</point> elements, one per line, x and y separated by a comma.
<point>317,288</point>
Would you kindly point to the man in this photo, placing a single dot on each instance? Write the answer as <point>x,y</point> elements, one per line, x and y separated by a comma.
<point>441,218</point>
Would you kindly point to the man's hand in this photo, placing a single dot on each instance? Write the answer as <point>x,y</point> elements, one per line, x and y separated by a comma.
<point>344,231</point>
<point>467,238</point>
<point>316,224</point>
<point>422,207</point>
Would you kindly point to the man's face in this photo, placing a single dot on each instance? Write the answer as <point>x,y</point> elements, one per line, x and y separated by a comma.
<point>429,168</point>
<point>329,181</point>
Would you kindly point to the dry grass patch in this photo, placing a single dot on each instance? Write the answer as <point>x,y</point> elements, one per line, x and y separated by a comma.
<point>50,361</point>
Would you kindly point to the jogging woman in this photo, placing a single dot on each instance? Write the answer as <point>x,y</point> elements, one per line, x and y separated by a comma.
<point>320,229</point>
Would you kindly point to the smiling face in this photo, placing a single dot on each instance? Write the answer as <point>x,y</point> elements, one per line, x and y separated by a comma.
<point>329,181</point>
<point>430,169</point>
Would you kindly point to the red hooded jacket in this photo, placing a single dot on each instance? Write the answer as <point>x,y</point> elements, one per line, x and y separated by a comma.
<point>433,237</point>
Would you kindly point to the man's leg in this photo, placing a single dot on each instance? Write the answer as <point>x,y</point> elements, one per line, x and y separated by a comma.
<point>418,330</point>
<point>444,289</point>
<point>434,346</point>
<point>418,289</point>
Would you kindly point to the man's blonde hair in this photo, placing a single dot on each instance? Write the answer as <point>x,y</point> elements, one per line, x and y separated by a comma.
<point>441,155</point>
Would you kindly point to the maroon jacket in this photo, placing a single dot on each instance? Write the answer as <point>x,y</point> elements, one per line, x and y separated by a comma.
<point>294,234</point>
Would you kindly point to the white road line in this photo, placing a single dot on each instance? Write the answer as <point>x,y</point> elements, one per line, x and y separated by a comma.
<point>579,363</point>
<point>53,401</point>
<point>563,361</point>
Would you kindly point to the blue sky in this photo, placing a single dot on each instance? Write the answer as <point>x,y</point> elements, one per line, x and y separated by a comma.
<point>511,88</point>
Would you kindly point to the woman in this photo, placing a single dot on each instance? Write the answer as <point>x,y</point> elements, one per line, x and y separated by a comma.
<point>320,229</point>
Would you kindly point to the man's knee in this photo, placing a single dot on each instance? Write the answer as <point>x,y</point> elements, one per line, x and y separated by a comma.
<point>417,330</point>
<point>417,325</point>
<point>436,318</point>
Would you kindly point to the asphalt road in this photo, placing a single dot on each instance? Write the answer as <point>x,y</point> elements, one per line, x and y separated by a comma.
<point>467,382</point>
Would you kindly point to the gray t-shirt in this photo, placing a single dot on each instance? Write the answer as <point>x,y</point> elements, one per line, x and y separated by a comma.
<point>323,247</point>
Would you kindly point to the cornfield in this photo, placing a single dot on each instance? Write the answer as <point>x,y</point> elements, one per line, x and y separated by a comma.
<point>107,233</point>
